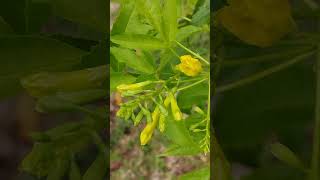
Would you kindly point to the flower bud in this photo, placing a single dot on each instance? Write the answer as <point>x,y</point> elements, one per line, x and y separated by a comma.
<point>198,110</point>
<point>136,86</point>
<point>138,118</point>
<point>175,108</point>
<point>167,101</point>
<point>162,123</point>
<point>130,93</point>
<point>189,66</point>
<point>155,113</point>
<point>147,132</point>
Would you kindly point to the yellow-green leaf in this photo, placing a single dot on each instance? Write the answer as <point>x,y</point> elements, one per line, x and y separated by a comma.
<point>259,23</point>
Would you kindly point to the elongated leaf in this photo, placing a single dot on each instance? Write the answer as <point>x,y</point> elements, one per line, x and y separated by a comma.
<point>44,84</point>
<point>136,41</point>
<point>22,55</point>
<point>121,23</point>
<point>98,169</point>
<point>170,19</point>
<point>132,60</point>
<point>93,13</point>
<point>198,174</point>
<point>176,150</point>
<point>285,155</point>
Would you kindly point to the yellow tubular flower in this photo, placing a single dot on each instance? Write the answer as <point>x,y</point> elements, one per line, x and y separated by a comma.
<point>162,124</point>
<point>167,101</point>
<point>147,132</point>
<point>175,108</point>
<point>189,66</point>
<point>136,86</point>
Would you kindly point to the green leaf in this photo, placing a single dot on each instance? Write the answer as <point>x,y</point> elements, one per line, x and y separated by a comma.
<point>58,168</point>
<point>83,96</point>
<point>98,168</point>
<point>92,13</point>
<point>22,55</point>
<point>187,31</point>
<point>170,19</point>
<point>137,24</point>
<point>74,173</point>
<point>202,15</point>
<point>117,78</point>
<point>151,10</point>
<point>285,155</point>
<point>39,160</point>
<point>177,132</point>
<point>176,150</point>
<point>263,24</point>
<point>165,58</point>
<point>136,41</point>
<point>198,174</point>
<point>270,110</point>
<point>122,21</point>
<point>54,104</point>
<point>56,132</point>
<point>44,83</point>
<point>132,60</point>
<point>195,95</point>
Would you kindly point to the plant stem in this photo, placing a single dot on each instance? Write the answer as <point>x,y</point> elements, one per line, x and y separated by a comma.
<point>188,19</point>
<point>191,85</point>
<point>193,53</point>
<point>266,58</point>
<point>316,137</point>
<point>264,73</point>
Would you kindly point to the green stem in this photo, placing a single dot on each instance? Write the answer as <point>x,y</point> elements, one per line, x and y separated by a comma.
<point>316,138</point>
<point>193,53</point>
<point>266,58</point>
<point>188,19</point>
<point>264,73</point>
<point>191,85</point>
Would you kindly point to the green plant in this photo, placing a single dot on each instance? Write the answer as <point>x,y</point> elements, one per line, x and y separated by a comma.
<point>266,37</point>
<point>149,38</point>
<point>64,72</point>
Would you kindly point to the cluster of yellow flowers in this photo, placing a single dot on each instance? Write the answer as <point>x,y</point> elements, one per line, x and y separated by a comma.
<point>190,67</point>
